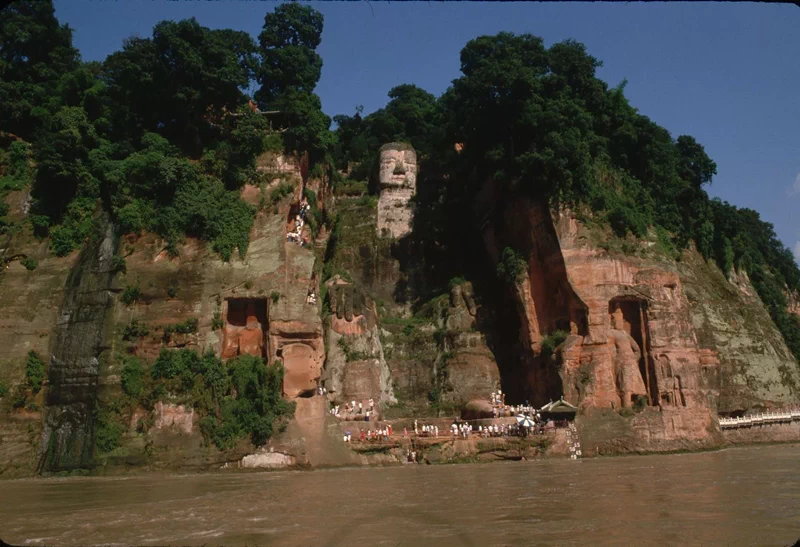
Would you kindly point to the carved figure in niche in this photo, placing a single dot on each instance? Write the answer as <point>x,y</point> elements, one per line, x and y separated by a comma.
<point>244,333</point>
<point>626,357</point>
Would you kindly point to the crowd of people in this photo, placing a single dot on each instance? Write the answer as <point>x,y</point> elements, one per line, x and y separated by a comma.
<point>297,236</point>
<point>356,409</point>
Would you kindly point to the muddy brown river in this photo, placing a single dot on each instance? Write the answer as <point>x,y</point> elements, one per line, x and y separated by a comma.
<point>747,496</point>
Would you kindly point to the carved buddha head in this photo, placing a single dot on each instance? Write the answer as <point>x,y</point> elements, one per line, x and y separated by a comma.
<point>398,165</point>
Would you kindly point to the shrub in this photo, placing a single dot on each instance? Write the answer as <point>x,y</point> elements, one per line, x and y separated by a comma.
<point>279,192</point>
<point>187,327</point>
<point>551,341</point>
<point>131,294</point>
<point>512,265</point>
<point>135,330</point>
<point>350,188</point>
<point>118,264</point>
<point>455,281</point>
<point>3,389</point>
<point>254,408</point>
<point>172,289</point>
<point>132,377</point>
<point>370,202</point>
<point>108,431</point>
<point>275,296</point>
<point>34,371</point>
<point>29,263</point>
<point>216,321</point>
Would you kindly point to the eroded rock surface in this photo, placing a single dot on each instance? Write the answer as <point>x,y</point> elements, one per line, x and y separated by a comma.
<point>356,368</point>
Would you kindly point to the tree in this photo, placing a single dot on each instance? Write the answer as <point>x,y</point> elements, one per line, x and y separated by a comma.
<point>289,40</point>
<point>179,83</point>
<point>35,52</point>
<point>289,72</point>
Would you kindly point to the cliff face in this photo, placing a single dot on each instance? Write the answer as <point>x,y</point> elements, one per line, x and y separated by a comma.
<point>76,355</point>
<point>650,349</point>
<point>668,345</point>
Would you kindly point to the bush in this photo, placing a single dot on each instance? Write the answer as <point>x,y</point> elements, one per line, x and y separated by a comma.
<point>275,296</point>
<point>187,327</point>
<point>34,371</point>
<point>455,281</point>
<point>131,294</point>
<point>3,389</point>
<point>217,322</point>
<point>512,266</point>
<point>118,264</point>
<point>551,341</point>
<point>134,330</point>
<point>350,188</point>
<point>133,377</point>
<point>279,192</point>
<point>254,407</point>
<point>29,263</point>
<point>108,431</point>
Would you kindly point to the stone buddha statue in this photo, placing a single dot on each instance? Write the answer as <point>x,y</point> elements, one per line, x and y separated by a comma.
<point>398,183</point>
<point>247,339</point>
<point>626,357</point>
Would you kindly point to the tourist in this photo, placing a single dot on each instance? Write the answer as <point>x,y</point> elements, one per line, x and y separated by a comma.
<point>360,407</point>
<point>405,432</point>
<point>389,429</point>
<point>416,432</point>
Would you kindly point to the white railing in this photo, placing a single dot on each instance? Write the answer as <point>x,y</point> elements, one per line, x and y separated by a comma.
<point>769,417</point>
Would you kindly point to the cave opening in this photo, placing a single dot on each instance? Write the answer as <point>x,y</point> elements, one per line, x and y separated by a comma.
<point>246,327</point>
<point>629,314</point>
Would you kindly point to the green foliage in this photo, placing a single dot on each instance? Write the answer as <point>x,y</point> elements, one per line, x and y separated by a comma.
<point>34,371</point>
<point>455,281</point>
<point>37,54</point>
<point>370,202</point>
<point>118,264</point>
<point>512,266</point>
<point>172,289</point>
<point>186,327</point>
<point>29,263</point>
<point>135,330</point>
<point>275,296</point>
<point>240,399</point>
<point>107,430</point>
<point>349,187</point>
<point>289,72</point>
<point>131,294</point>
<point>133,379</point>
<point>551,341</point>
<point>412,115</point>
<point>16,171</point>
<point>349,353</point>
<point>3,389</point>
<point>217,322</point>
<point>256,406</point>
<point>282,190</point>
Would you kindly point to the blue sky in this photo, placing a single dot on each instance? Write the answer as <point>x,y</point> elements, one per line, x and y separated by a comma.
<point>727,74</point>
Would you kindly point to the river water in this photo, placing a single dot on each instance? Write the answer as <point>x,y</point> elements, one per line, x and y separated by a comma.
<point>747,496</point>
